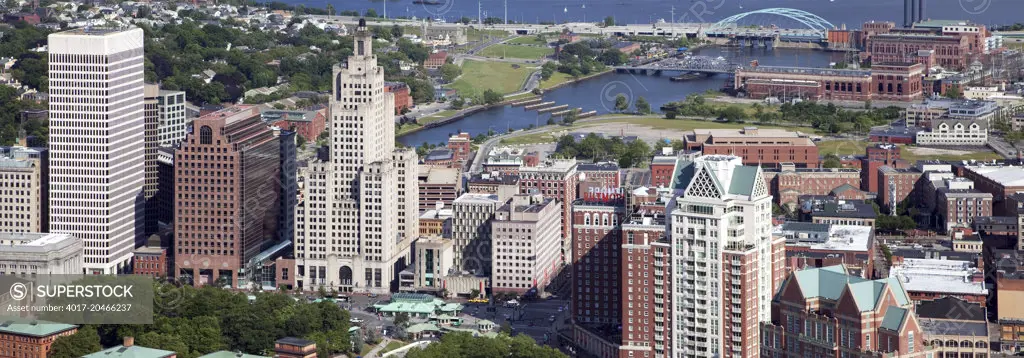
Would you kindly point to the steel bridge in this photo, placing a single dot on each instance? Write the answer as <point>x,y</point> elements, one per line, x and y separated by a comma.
<point>699,64</point>
<point>816,26</point>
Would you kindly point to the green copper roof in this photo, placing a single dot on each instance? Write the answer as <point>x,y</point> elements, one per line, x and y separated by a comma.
<point>130,352</point>
<point>743,178</point>
<point>22,327</point>
<point>829,283</point>
<point>894,318</point>
<point>683,174</point>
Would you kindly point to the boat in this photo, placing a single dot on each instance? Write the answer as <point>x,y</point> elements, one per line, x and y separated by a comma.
<point>685,77</point>
<point>427,2</point>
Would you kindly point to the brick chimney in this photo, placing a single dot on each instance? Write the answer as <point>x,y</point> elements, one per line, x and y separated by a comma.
<point>129,341</point>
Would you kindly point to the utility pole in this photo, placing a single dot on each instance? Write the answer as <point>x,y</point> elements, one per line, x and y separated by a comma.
<point>385,9</point>
<point>506,12</point>
<point>479,12</point>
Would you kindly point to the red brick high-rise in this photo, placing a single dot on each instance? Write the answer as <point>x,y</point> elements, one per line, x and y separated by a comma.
<point>227,194</point>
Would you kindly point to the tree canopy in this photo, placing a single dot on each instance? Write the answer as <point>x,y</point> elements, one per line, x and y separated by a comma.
<point>463,345</point>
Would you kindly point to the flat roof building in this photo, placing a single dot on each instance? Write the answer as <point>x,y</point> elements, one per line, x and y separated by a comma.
<point>822,245</point>
<point>762,147</point>
<point>24,189</point>
<point>525,244</point>
<point>438,185</point>
<point>929,279</point>
<point>40,254</point>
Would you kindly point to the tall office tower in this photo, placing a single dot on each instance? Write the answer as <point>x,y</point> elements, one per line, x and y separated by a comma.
<point>471,229</point>
<point>727,262</point>
<point>408,190</point>
<point>347,232</point>
<point>165,186</point>
<point>97,142</point>
<point>23,190</point>
<point>289,184</point>
<point>152,114</point>
<point>226,196</point>
<point>526,234</point>
<point>173,117</point>
<point>556,179</point>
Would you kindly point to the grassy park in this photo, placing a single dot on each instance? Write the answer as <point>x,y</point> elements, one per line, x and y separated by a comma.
<point>478,76</point>
<point>516,51</point>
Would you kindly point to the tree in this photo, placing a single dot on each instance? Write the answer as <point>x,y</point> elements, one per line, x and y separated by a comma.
<point>609,21</point>
<point>401,319</point>
<point>458,102</point>
<point>570,118</point>
<point>506,328</point>
<point>85,341</point>
<point>621,103</point>
<point>613,57</point>
<point>832,161</point>
<point>371,13</point>
<point>474,293</point>
<point>491,97</point>
<point>641,105</point>
<point>465,20</point>
<point>954,92</point>
<point>396,31</point>
<point>450,71</point>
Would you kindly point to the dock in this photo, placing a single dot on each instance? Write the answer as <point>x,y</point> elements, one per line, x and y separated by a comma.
<point>538,105</point>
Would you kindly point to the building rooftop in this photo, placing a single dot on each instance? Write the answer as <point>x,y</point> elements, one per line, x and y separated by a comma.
<point>475,198</point>
<point>830,282</point>
<point>938,276</point>
<point>295,341</point>
<point>932,327</point>
<point>963,193</point>
<point>274,115</point>
<point>131,352</point>
<point>437,214</point>
<point>1009,176</point>
<point>839,237</point>
<point>840,209</point>
<point>34,242</point>
<point>233,114</point>
<point>440,154</point>
<point>951,308</point>
<point>34,328</point>
<point>435,175</point>
<point>897,131</point>
<point>94,31</point>
<point>940,23</point>
<point>598,167</point>
<point>813,71</point>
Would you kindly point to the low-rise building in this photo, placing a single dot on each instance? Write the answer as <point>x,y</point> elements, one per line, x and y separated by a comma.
<point>129,350</point>
<point>435,60</point>
<point>441,158</point>
<point>788,183</point>
<point>432,259</point>
<point>24,253</point>
<point>504,186</point>
<point>999,180</point>
<point>526,238</point>
<point>996,225</point>
<point>822,245</point>
<point>403,97</point>
<point>436,222</point>
<point>955,132</point>
<point>307,124</point>
<point>291,347</point>
<point>824,312</point>
<point>958,205</point>
<point>438,185</point>
<point>954,327</point>
<point>762,147</point>
<point>461,145</point>
<point>31,339</point>
<point>929,279</point>
<point>839,212</point>
<point>507,160</point>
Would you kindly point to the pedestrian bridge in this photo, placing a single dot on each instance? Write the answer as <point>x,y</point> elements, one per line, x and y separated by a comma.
<point>699,64</point>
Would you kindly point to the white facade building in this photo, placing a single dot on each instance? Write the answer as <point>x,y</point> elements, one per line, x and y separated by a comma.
<point>727,263</point>
<point>23,203</point>
<point>173,118</point>
<point>40,254</point>
<point>350,234</point>
<point>526,238</point>
<point>96,142</point>
<point>471,230</point>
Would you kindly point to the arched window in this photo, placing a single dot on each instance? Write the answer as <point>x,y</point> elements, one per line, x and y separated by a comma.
<point>604,219</point>
<point>937,343</point>
<point>965,344</point>
<point>205,135</point>
<point>586,219</point>
<point>959,127</point>
<point>980,344</point>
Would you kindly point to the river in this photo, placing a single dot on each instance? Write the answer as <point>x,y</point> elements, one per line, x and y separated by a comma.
<point>599,94</point>
<point>849,12</point>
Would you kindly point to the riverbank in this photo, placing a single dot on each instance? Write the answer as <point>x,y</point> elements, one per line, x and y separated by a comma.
<point>463,113</point>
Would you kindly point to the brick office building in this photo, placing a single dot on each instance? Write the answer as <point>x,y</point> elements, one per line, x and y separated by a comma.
<point>403,98</point>
<point>895,185</point>
<point>763,147</point>
<point>556,179</point>
<point>227,194</point>
<point>950,51</point>
<point>1001,181</point>
<point>889,81</point>
<point>525,242</point>
<point>31,339</point>
<point>595,279</point>
<point>824,312</point>
<point>307,124</point>
<point>788,183</point>
<point>461,145</point>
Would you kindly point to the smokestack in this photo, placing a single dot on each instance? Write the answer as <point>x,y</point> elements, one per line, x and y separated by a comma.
<point>908,13</point>
<point>920,10</point>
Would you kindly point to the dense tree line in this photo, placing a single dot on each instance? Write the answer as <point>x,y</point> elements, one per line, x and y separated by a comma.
<point>825,117</point>
<point>463,345</point>
<point>10,121</point>
<point>197,321</point>
<point>599,149</point>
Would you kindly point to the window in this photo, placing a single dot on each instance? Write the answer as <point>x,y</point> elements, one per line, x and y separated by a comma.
<point>205,135</point>
<point>910,342</point>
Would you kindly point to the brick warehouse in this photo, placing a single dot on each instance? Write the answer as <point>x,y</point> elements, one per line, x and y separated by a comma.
<point>890,81</point>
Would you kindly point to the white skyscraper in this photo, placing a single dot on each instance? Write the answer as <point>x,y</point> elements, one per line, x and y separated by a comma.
<point>726,262</point>
<point>350,234</point>
<point>96,142</point>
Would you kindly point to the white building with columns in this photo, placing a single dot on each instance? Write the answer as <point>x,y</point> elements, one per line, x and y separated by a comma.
<point>350,234</point>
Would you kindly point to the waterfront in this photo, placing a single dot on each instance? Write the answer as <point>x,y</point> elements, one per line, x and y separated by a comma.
<point>849,12</point>
<point>599,94</point>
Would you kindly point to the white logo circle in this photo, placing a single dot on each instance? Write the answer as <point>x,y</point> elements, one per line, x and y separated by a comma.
<point>975,7</point>
<point>611,92</point>
<point>438,9</point>
<point>19,291</point>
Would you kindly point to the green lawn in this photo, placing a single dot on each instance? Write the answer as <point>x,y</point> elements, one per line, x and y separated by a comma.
<point>535,138</point>
<point>393,345</point>
<point>516,51</point>
<point>521,97</point>
<point>556,79</point>
<point>478,35</point>
<point>659,122</point>
<point>437,116</point>
<point>853,147</point>
<point>527,40</point>
<point>478,76</point>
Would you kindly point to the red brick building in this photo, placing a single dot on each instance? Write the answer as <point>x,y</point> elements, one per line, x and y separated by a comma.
<point>151,261</point>
<point>951,52</point>
<point>876,157</point>
<point>662,168</point>
<point>461,145</point>
<point>890,81</point>
<point>595,286</point>
<point>1001,181</point>
<point>227,189</point>
<point>600,174</point>
<point>403,98</point>
<point>307,124</point>
<point>824,312</point>
<point>895,185</point>
<point>764,147</point>
<point>436,60</point>
<point>788,183</point>
<point>31,339</point>
<point>556,179</point>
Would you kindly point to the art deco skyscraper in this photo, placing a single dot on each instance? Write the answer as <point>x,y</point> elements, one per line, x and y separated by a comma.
<point>348,232</point>
<point>96,142</point>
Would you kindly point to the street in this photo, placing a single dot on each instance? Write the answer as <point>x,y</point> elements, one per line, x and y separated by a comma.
<point>532,318</point>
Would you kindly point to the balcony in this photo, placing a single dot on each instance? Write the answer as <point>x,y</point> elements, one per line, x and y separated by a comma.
<point>658,253</point>
<point>659,300</point>
<point>659,282</point>
<point>659,310</point>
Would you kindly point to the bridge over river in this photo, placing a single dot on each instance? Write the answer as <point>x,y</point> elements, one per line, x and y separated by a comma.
<point>696,64</point>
